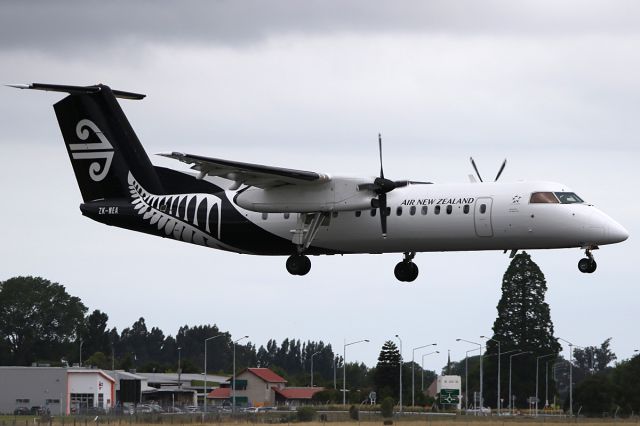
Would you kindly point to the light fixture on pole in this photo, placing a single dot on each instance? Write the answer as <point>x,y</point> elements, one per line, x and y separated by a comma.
<point>537,360</point>
<point>400,340</point>
<point>510,363</point>
<point>314,354</point>
<point>423,355</point>
<point>498,396</point>
<point>205,372</point>
<point>344,368</point>
<point>233,383</point>
<point>480,346</point>
<point>413,376</point>
<point>570,375</point>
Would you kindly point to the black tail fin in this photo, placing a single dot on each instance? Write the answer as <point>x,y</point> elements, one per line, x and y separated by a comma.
<point>102,146</point>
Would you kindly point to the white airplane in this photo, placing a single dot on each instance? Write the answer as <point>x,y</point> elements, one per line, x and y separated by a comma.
<point>264,210</point>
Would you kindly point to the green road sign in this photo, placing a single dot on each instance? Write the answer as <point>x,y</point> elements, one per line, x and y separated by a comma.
<point>449,396</point>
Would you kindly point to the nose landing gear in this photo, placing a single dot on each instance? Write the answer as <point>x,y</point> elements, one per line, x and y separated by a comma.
<point>406,271</point>
<point>298,264</point>
<point>588,264</point>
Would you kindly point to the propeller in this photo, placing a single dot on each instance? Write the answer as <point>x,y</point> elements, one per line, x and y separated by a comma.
<point>381,186</point>
<point>473,163</point>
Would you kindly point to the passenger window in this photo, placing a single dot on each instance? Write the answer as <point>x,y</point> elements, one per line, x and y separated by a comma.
<point>465,209</point>
<point>412,210</point>
<point>543,198</point>
<point>437,210</point>
<point>358,213</point>
<point>286,215</point>
<point>399,211</point>
<point>265,216</point>
<point>483,208</point>
<point>373,212</point>
<point>388,211</point>
<point>423,210</point>
<point>449,209</point>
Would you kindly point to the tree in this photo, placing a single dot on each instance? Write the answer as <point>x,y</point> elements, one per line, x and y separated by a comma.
<point>626,381</point>
<point>595,395</point>
<point>38,319</point>
<point>94,333</point>
<point>593,359</point>
<point>523,324</point>
<point>386,374</point>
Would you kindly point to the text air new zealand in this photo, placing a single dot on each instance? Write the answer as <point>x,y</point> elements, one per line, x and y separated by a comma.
<point>265,210</point>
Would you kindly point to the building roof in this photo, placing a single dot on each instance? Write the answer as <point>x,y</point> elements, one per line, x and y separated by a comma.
<point>220,393</point>
<point>267,375</point>
<point>297,393</point>
<point>90,371</point>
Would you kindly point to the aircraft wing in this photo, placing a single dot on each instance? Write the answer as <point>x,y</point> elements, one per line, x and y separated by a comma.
<point>247,173</point>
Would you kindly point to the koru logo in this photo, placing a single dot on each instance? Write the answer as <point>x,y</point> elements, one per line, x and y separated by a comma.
<point>92,151</point>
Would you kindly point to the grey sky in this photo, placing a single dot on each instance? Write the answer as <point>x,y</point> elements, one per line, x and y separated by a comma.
<point>553,86</point>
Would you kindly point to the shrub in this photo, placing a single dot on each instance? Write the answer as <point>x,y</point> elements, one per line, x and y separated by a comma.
<point>306,414</point>
<point>354,414</point>
<point>386,407</point>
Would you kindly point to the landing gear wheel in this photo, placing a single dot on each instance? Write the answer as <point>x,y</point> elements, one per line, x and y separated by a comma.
<point>406,271</point>
<point>298,264</point>
<point>587,266</point>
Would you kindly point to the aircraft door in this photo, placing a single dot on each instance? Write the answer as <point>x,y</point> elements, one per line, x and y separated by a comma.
<point>482,217</point>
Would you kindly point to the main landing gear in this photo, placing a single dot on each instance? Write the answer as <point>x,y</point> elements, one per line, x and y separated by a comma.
<point>406,271</point>
<point>588,264</point>
<point>298,264</point>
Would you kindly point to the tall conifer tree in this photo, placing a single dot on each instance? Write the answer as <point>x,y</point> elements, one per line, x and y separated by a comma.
<point>523,324</point>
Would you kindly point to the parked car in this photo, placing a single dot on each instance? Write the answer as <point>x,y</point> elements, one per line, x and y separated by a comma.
<point>21,411</point>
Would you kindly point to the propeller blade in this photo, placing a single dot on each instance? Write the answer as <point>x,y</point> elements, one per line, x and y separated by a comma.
<point>401,183</point>
<point>504,163</point>
<point>368,187</point>
<point>473,163</point>
<point>380,151</point>
<point>383,213</point>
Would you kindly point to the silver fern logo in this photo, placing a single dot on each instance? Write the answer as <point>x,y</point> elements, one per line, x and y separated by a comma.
<point>101,150</point>
<point>193,218</point>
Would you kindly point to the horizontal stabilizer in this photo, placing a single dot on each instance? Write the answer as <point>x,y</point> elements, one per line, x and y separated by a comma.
<point>74,90</point>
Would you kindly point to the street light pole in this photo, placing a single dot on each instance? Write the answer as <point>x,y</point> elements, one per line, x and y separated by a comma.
<point>570,375</point>
<point>81,342</point>
<point>510,364</point>
<point>466,378</point>
<point>205,372</point>
<point>498,396</point>
<point>538,359</point>
<point>422,381</point>
<point>400,340</point>
<point>413,376</point>
<point>480,346</point>
<point>316,353</point>
<point>344,368</point>
<point>179,369</point>
<point>233,383</point>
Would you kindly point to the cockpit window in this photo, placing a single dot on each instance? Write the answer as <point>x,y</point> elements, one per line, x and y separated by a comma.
<point>568,198</point>
<point>543,197</point>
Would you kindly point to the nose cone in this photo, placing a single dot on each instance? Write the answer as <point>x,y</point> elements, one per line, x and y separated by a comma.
<point>611,232</point>
<point>616,233</point>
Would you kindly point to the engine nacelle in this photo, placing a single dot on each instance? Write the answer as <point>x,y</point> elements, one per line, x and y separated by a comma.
<point>339,194</point>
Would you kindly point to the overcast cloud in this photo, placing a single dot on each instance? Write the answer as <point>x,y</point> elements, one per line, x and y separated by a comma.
<point>551,85</point>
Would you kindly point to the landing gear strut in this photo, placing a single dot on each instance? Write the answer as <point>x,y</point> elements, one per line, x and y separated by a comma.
<point>406,271</point>
<point>298,264</point>
<point>588,264</point>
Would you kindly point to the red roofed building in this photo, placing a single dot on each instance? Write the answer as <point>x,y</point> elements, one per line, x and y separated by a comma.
<point>295,396</point>
<point>255,387</point>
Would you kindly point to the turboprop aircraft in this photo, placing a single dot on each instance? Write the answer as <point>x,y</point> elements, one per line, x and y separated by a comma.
<point>265,210</point>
